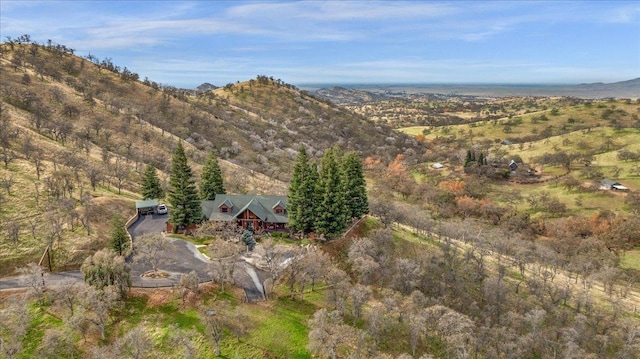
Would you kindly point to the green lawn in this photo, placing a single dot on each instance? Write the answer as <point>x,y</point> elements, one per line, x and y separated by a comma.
<point>631,260</point>
<point>277,328</point>
<point>281,327</point>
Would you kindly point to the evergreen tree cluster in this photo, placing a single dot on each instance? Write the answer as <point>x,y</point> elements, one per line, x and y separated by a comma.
<point>481,160</point>
<point>324,199</point>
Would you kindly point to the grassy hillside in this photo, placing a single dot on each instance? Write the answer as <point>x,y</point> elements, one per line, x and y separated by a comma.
<point>599,132</point>
<point>77,133</point>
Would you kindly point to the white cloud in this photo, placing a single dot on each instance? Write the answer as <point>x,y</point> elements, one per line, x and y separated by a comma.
<point>285,39</point>
<point>342,10</point>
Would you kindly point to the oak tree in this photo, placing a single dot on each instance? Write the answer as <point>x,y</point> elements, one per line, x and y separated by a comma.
<point>106,268</point>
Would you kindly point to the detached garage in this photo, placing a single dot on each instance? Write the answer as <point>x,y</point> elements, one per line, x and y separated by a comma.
<point>146,207</point>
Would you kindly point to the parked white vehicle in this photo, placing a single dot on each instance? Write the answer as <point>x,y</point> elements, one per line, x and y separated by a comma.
<point>162,209</point>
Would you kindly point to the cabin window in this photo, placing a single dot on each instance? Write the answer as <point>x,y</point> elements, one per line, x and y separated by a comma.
<point>224,209</point>
<point>279,210</point>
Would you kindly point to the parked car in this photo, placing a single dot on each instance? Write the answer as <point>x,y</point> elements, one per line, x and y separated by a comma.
<point>162,209</point>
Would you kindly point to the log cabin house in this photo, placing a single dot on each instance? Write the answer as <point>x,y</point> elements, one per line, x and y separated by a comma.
<point>265,213</point>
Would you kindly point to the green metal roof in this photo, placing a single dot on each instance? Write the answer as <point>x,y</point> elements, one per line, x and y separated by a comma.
<point>226,203</point>
<point>261,206</point>
<point>279,203</point>
<point>146,204</point>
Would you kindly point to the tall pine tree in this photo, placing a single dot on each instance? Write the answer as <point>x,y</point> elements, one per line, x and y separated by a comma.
<point>301,198</point>
<point>354,185</point>
<point>151,184</point>
<point>314,196</point>
<point>332,211</point>
<point>212,182</point>
<point>468,159</point>
<point>119,239</point>
<point>183,195</point>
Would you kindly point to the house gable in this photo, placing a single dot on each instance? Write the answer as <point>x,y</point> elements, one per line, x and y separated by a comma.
<point>279,208</point>
<point>226,206</point>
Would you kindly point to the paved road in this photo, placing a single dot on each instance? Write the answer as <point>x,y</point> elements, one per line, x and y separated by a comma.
<point>181,258</point>
<point>49,279</point>
<point>150,223</point>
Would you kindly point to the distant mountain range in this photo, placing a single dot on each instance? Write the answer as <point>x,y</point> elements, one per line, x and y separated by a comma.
<point>623,89</point>
<point>206,87</point>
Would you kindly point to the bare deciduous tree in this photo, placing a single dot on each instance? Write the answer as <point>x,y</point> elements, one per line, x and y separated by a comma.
<point>293,272</point>
<point>57,343</point>
<point>327,333</point>
<point>274,256</point>
<point>150,248</point>
<point>182,340</point>
<point>379,320</point>
<point>239,323</point>
<point>359,295</point>
<point>8,135</point>
<point>362,256</point>
<point>187,284</point>
<point>221,269</point>
<point>338,282</point>
<point>68,292</point>
<point>15,319</point>
<point>135,344</point>
<point>223,254</point>
<point>7,182</point>
<point>13,231</point>
<point>121,172</point>
<point>316,264</point>
<point>34,278</point>
<point>406,276</point>
<point>214,321</point>
<point>414,325</point>
<point>97,305</point>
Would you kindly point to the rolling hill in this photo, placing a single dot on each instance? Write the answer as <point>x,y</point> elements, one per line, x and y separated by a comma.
<point>77,133</point>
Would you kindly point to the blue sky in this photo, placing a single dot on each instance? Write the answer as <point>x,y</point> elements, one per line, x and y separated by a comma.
<point>186,43</point>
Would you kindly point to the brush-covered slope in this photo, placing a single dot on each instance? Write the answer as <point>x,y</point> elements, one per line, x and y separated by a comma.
<point>277,119</point>
<point>76,134</point>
